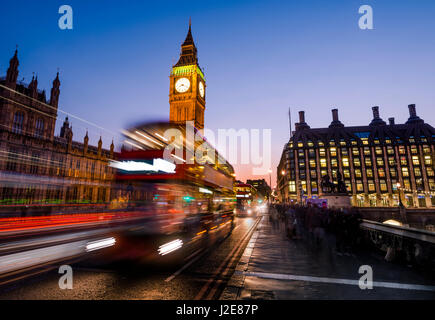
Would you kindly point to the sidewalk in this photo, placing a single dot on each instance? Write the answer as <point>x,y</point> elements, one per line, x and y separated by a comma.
<point>275,267</point>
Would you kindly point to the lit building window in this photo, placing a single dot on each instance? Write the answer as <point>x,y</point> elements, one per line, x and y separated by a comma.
<point>344,152</point>
<point>391,161</point>
<point>427,160</point>
<point>368,162</point>
<point>334,162</point>
<point>321,144</point>
<point>379,161</point>
<point>348,186</point>
<point>314,186</point>
<point>356,162</point>
<point>312,163</point>
<point>369,173</point>
<point>403,161</point>
<point>426,149</point>
<point>313,174</point>
<point>342,143</point>
<point>300,144</point>
<point>417,172</point>
<point>383,185</point>
<point>346,173</point>
<point>359,186</point>
<point>393,172</point>
<point>292,186</point>
<point>376,141</point>
<point>371,186</point>
<point>390,150</point>
<point>378,151</point>
<point>415,160</point>
<point>367,151</point>
<point>310,143</point>
<point>323,172</point>
<point>381,172</point>
<point>405,172</point>
<point>333,152</point>
<point>430,171</point>
<point>323,163</point>
<point>406,184</point>
<point>355,151</point>
<point>365,141</point>
<point>358,173</point>
<point>345,162</point>
<point>402,150</point>
<point>304,185</point>
<point>322,152</point>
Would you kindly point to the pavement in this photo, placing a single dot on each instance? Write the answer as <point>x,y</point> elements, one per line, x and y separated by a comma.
<point>275,267</point>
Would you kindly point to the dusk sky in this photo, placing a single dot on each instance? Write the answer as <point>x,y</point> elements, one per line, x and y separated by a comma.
<point>259,59</point>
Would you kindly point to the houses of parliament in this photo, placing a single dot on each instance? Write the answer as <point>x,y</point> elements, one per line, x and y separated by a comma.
<point>39,167</point>
<point>36,166</point>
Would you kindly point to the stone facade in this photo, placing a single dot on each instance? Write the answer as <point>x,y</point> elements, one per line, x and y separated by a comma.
<point>35,165</point>
<point>379,163</point>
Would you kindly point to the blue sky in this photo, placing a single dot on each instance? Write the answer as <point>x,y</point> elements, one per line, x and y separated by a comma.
<point>259,58</point>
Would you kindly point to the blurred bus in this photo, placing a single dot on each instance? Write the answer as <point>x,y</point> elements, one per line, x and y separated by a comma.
<point>185,195</point>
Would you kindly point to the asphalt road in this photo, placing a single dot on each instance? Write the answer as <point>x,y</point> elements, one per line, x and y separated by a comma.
<point>202,274</point>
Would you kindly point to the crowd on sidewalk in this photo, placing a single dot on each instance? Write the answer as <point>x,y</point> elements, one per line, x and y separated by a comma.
<point>316,224</point>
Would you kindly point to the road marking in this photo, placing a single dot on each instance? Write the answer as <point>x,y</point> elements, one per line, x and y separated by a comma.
<point>394,285</point>
<point>176,273</point>
<point>227,258</point>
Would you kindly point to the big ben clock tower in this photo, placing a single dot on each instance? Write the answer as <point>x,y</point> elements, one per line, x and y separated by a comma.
<point>187,86</point>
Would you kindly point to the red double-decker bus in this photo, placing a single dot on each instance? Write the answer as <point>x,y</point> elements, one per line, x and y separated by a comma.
<point>184,186</point>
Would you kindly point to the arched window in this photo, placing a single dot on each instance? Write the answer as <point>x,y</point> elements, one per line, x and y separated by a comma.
<point>17,126</point>
<point>39,129</point>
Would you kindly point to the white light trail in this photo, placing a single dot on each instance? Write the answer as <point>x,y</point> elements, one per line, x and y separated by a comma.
<point>170,247</point>
<point>100,244</point>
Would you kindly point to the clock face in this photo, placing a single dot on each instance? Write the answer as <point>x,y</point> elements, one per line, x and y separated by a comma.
<point>201,89</point>
<point>182,85</point>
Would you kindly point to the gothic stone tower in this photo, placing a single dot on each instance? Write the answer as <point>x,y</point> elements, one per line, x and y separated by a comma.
<point>187,86</point>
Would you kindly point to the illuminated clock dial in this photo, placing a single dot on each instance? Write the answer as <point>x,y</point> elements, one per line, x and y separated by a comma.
<point>182,85</point>
<point>201,89</point>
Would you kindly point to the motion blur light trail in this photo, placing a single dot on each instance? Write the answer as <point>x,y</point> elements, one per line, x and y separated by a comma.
<point>13,225</point>
<point>170,246</point>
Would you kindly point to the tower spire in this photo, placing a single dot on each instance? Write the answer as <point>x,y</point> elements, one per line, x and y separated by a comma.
<point>12,73</point>
<point>188,50</point>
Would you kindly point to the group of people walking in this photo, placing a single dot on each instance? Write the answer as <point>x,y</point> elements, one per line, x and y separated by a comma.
<point>319,225</point>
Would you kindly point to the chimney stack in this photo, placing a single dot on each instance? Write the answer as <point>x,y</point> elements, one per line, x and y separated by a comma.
<point>375,112</point>
<point>377,121</point>
<point>335,115</point>
<point>391,121</point>
<point>412,111</point>
<point>301,116</point>
<point>413,118</point>
<point>302,124</point>
<point>335,122</point>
